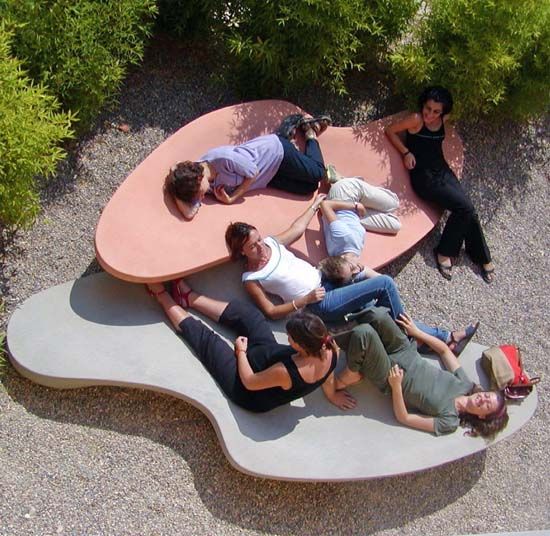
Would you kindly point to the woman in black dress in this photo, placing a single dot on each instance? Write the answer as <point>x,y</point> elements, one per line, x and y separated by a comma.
<point>259,374</point>
<point>433,180</point>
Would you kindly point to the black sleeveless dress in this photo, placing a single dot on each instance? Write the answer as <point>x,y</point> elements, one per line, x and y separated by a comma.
<point>263,351</point>
<point>433,180</point>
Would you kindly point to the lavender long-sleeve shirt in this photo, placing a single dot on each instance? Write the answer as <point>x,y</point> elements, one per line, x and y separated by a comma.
<point>258,158</point>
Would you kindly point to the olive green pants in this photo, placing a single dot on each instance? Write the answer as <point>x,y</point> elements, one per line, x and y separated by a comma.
<point>376,344</point>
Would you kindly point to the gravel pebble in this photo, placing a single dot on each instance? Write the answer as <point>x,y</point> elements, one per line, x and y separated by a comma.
<point>127,461</point>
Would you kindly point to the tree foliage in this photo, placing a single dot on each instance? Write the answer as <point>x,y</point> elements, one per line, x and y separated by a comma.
<point>80,49</point>
<point>31,130</point>
<point>494,55</point>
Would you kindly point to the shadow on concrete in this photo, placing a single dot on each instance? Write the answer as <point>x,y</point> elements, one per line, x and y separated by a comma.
<point>369,506</point>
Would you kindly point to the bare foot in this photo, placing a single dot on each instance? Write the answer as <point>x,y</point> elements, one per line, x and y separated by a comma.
<point>347,377</point>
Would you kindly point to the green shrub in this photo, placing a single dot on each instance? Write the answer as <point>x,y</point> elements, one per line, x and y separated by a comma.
<point>80,48</point>
<point>494,55</point>
<point>187,19</point>
<point>293,43</point>
<point>31,129</point>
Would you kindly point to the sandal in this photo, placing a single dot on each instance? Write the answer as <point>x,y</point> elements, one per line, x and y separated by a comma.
<point>445,270</point>
<point>289,124</point>
<point>181,298</point>
<point>154,294</point>
<point>461,344</point>
<point>318,124</point>
<point>488,275</point>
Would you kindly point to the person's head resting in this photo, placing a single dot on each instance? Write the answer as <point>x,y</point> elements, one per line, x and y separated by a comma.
<point>337,270</point>
<point>309,332</point>
<point>439,95</point>
<point>485,414</point>
<point>185,181</point>
<point>236,236</point>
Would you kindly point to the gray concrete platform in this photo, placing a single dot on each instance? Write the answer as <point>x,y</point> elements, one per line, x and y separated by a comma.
<point>98,330</point>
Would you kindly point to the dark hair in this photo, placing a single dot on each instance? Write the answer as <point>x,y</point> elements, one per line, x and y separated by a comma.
<point>184,180</point>
<point>236,235</point>
<point>437,94</point>
<point>491,424</point>
<point>309,331</point>
<point>331,269</point>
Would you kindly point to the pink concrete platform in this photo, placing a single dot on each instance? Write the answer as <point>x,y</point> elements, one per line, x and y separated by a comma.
<point>142,237</point>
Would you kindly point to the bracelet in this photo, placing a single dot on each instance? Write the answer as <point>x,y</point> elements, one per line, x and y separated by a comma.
<point>355,206</point>
<point>405,154</point>
<point>294,305</point>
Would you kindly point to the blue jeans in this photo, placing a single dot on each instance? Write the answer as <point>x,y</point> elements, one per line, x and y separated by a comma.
<point>299,173</point>
<point>380,291</point>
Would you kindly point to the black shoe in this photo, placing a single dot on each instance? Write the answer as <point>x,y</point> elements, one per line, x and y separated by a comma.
<point>288,125</point>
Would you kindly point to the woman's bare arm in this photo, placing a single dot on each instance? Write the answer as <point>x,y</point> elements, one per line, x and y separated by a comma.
<point>340,398</point>
<point>274,312</point>
<point>329,208</point>
<point>222,196</point>
<point>439,347</point>
<point>299,225</point>
<point>420,422</point>
<point>274,376</point>
<point>188,210</point>
<point>412,123</point>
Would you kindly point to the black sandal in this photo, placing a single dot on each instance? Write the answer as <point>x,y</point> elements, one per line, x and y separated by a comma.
<point>461,344</point>
<point>289,124</point>
<point>318,124</point>
<point>445,270</point>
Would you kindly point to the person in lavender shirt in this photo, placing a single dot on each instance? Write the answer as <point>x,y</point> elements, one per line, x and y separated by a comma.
<point>271,160</point>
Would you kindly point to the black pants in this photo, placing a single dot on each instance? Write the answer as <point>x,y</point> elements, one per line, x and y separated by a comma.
<point>444,189</point>
<point>299,173</point>
<point>218,357</point>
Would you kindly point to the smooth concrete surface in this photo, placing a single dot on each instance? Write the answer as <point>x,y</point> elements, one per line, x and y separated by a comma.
<point>102,331</point>
<point>142,237</point>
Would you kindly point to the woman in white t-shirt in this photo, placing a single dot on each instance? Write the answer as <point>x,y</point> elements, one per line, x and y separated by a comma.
<point>270,268</point>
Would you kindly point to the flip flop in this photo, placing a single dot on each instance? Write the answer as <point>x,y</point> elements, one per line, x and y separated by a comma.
<point>444,270</point>
<point>181,298</point>
<point>460,345</point>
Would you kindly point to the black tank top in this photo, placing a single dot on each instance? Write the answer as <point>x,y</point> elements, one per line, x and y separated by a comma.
<point>427,147</point>
<point>267,399</point>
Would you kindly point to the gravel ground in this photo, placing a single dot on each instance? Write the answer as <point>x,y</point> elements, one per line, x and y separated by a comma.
<point>121,461</point>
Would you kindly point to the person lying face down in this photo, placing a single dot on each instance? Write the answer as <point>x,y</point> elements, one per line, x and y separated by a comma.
<point>271,160</point>
<point>271,269</point>
<point>258,374</point>
<point>380,351</point>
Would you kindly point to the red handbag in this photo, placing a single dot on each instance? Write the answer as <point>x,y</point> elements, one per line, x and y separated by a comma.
<point>504,366</point>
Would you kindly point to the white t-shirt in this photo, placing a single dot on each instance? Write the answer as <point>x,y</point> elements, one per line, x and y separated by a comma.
<point>285,275</point>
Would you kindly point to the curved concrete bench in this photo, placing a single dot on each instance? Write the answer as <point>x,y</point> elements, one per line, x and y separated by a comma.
<point>141,236</point>
<point>99,330</point>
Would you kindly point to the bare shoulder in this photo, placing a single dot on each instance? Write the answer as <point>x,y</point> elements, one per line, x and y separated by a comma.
<point>411,122</point>
<point>415,122</point>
